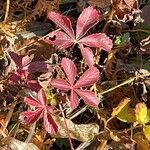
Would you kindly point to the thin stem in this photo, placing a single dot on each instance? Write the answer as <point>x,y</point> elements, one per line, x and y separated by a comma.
<point>35,42</point>
<point>78,113</point>
<point>32,43</point>
<point>71,145</point>
<point>7,10</point>
<point>31,133</point>
<point>9,114</point>
<point>119,85</point>
<point>109,19</point>
<point>138,30</point>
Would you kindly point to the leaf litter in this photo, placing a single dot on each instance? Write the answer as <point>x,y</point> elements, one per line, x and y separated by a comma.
<point>74,77</point>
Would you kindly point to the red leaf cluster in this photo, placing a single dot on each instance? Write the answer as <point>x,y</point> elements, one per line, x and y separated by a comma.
<point>65,37</point>
<point>88,78</point>
<point>25,67</point>
<point>41,109</point>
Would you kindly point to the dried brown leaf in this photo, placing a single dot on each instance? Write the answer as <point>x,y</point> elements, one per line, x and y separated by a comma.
<point>80,132</point>
<point>100,3</point>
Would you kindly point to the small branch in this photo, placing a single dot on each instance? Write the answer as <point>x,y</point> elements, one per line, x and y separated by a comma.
<point>119,85</point>
<point>138,30</point>
<point>31,133</point>
<point>7,10</point>
<point>9,114</point>
<point>31,43</point>
<point>42,38</point>
<point>78,113</point>
<point>109,19</point>
<point>71,145</point>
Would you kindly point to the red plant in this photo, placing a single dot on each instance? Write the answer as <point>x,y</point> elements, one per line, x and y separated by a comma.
<point>24,70</point>
<point>41,108</point>
<point>66,38</point>
<point>88,78</point>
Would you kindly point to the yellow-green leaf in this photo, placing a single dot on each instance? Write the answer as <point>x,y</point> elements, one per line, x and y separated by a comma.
<point>127,115</point>
<point>141,113</point>
<point>51,99</point>
<point>146,130</point>
<point>119,108</point>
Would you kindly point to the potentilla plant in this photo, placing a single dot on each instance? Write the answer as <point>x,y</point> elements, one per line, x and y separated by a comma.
<point>88,78</point>
<point>66,37</point>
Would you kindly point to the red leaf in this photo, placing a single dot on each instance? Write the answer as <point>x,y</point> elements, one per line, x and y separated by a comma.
<point>74,100</point>
<point>42,97</point>
<point>99,40</point>
<point>36,66</point>
<point>31,116</point>
<point>49,123</point>
<point>87,55</point>
<point>32,102</point>
<point>60,84</point>
<point>14,77</point>
<point>60,39</point>
<point>63,22</point>
<point>87,19</point>
<point>89,77</point>
<point>33,85</point>
<point>88,97</point>
<point>70,69</point>
<point>16,58</point>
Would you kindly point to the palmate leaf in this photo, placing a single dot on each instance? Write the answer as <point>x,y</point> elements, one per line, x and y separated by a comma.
<point>42,97</point>
<point>41,108</point>
<point>61,84</point>
<point>88,97</point>
<point>49,123</point>
<point>66,38</point>
<point>98,40</point>
<point>29,117</point>
<point>88,56</point>
<point>88,78</point>
<point>69,69</point>
<point>74,100</point>
<point>88,19</point>
<point>59,38</point>
<point>63,22</point>
<point>32,102</point>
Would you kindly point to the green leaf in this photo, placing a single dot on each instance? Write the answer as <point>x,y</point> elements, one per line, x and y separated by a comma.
<point>119,108</point>
<point>118,40</point>
<point>141,113</point>
<point>146,130</point>
<point>51,99</point>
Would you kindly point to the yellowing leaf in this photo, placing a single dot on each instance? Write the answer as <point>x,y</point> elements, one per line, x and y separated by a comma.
<point>119,108</point>
<point>127,115</point>
<point>141,113</point>
<point>146,130</point>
